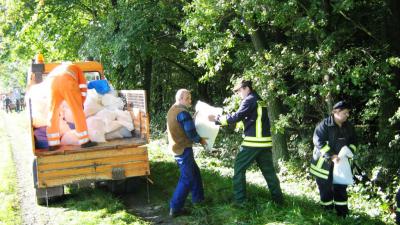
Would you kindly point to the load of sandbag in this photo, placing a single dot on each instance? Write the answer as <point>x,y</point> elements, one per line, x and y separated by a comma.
<point>205,128</point>
<point>104,115</point>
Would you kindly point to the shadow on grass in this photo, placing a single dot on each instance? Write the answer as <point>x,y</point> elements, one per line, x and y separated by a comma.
<point>217,209</point>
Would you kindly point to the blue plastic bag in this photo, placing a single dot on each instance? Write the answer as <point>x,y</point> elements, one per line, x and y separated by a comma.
<point>101,86</point>
<point>40,137</point>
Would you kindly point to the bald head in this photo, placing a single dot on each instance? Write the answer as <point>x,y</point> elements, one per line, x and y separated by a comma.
<point>183,97</point>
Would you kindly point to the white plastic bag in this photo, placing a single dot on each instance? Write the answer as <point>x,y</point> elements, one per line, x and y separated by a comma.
<point>125,119</point>
<point>111,102</point>
<point>69,138</point>
<point>96,129</point>
<point>39,96</point>
<point>92,103</point>
<point>341,171</point>
<point>204,127</point>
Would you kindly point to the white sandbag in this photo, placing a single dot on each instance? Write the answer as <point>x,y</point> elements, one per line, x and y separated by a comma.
<point>204,127</point>
<point>96,129</point>
<point>92,103</point>
<point>125,119</point>
<point>113,135</point>
<point>125,132</point>
<point>66,112</point>
<point>107,115</point>
<point>111,102</point>
<point>111,126</point>
<point>39,96</point>
<point>64,128</point>
<point>70,138</point>
<point>341,171</point>
<point>122,132</point>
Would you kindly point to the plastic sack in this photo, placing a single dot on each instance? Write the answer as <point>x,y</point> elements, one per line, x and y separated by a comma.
<point>96,129</point>
<point>125,119</point>
<point>39,96</point>
<point>111,102</point>
<point>204,127</point>
<point>64,127</point>
<point>101,86</point>
<point>107,115</point>
<point>92,103</point>
<point>342,171</point>
<point>40,137</point>
<point>70,138</point>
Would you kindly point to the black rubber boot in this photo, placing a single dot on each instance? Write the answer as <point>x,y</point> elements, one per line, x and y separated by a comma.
<point>88,144</point>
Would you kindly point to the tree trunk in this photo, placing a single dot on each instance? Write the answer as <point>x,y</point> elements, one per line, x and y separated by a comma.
<point>148,71</point>
<point>275,105</point>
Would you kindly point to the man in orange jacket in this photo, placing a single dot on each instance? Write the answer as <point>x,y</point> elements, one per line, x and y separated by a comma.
<point>67,83</point>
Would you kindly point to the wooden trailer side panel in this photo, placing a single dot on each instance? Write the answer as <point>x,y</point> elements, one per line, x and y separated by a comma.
<point>112,164</point>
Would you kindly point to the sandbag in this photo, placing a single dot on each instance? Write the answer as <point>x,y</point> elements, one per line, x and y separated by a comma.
<point>39,96</point>
<point>96,129</point>
<point>205,128</point>
<point>64,127</point>
<point>40,135</point>
<point>70,138</point>
<point>342,173</point>
<point>111,102</point>
<point>92,103</point>
<point>125,119</point>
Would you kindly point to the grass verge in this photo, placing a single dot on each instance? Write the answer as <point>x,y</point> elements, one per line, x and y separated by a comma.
<point>301,195</point>
<point>9,209</point>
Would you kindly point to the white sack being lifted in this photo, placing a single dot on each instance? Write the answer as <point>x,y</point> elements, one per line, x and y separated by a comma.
<point>341,171</point>
<point>204,127</point>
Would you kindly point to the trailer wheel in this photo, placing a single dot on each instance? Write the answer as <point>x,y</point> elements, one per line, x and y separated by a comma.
<point>117,186</point>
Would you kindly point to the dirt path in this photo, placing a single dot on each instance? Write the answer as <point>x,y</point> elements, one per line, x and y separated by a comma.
<point>32,214</point>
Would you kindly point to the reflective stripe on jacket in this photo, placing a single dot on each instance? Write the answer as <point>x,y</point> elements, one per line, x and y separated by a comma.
<point>254,115</point>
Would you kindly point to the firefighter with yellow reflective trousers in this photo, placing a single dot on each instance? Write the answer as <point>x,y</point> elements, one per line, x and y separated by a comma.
<point>257,143</point>
<point>330,136</point>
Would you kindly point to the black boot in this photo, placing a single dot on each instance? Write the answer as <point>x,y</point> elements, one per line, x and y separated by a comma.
<point>88,144</point>
<point>53,148</point>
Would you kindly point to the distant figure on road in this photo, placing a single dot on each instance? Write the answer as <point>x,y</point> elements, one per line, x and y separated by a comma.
<point>8,104</point>
<point>181,135</point>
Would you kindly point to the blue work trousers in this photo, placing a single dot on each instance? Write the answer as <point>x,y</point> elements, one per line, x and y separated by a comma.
<point>189,180</point>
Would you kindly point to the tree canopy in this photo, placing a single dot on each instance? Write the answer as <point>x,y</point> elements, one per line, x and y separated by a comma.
<point>302,56</point>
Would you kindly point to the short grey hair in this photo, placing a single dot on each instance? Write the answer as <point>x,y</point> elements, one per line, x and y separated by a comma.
<point>180,93</point>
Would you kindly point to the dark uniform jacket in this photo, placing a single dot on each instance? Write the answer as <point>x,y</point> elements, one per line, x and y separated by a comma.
<point>328,139</point>
<point>254,115</point>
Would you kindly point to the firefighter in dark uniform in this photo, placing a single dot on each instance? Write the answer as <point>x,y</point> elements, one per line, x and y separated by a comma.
<point>330,135</point>
<point>257,143</point>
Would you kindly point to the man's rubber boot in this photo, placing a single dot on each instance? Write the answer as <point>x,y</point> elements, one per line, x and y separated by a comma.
<point>89,144</point>
<point>53,148</point>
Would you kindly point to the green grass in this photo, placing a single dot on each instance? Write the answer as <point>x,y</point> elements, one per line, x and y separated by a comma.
<point>96,206</point>
<point>9,208</point>
<point>301,194</point>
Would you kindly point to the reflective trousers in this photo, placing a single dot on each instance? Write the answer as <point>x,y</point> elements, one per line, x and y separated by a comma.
<point>189,181</point>
<point>333,195</point>
<point>65,88</point>
<point>263,158</point>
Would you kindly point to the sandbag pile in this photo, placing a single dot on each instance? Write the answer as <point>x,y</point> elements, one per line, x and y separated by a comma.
<point>104,116</point>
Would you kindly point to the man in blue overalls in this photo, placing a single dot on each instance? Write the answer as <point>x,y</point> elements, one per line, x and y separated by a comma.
<point>181,135</point>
